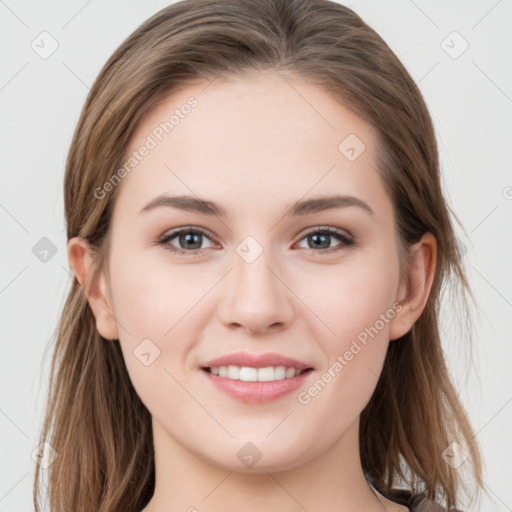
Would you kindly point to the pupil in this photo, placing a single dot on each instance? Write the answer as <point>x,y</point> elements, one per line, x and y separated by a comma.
<point>189,238</point>
<point>316,237</point>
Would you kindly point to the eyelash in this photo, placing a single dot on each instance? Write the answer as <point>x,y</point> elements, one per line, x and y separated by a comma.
<point>346,240</point>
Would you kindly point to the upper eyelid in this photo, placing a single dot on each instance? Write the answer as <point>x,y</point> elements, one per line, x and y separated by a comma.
<point>177,231</point>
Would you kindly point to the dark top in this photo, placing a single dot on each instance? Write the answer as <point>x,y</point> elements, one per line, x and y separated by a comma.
<point>414,502</point>
<point>422,504</point>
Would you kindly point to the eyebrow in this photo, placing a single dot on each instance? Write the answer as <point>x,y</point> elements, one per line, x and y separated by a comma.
<point>298,208</point>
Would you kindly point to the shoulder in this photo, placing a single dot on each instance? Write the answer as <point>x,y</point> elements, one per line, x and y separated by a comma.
<point>422,504</point>
<point>415,502</point>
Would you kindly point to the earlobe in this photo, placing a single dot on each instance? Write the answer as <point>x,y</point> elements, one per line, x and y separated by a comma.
<point>413,299</point>
<point>81,259</point>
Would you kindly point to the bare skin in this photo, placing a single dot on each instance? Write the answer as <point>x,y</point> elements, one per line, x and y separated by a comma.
<point>254,145</point>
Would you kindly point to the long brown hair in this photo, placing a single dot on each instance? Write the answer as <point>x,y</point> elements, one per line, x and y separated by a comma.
<point>95,421</point>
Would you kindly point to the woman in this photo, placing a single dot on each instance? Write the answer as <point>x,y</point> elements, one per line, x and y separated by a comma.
<point>290,358</point>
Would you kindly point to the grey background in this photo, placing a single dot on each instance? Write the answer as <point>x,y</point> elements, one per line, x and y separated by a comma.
<point>470,99</point>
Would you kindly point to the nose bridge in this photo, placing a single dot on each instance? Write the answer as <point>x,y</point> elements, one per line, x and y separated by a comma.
<point>253,261</point>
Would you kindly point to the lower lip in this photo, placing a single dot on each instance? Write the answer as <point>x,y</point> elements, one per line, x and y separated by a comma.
<point>257,392</point>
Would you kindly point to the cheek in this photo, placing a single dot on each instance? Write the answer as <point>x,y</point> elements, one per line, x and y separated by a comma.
<point>162,314</point>
<point>150,300</point>
<point>155,342</point>
<point>355,298</point>
<point>357,311</point>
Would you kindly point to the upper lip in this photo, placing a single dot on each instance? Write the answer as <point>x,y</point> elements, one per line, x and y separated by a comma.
<point>256,361</point>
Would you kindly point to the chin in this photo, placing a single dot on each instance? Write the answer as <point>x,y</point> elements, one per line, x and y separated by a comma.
<point>260,458</point>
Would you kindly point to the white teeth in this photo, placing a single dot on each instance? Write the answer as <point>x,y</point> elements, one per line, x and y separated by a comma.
<point>248,374</point>
<point>270,373</point>
<point>280,372</point>
<point>233,372</point>
<point>290,372</point>
<point>245,373</point>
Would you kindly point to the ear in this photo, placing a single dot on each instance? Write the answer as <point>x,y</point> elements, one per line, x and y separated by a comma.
<point>423,259</point>
<point>81,259</point>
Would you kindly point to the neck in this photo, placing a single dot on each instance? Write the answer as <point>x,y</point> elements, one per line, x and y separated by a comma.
<point>333,481</point>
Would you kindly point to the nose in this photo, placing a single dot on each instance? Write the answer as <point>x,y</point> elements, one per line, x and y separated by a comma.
<point>256,296</point>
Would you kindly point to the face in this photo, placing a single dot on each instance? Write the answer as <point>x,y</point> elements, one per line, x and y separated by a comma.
<point>316,285</point>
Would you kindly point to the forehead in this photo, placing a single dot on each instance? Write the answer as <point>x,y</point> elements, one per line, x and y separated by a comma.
<point>263,136</point>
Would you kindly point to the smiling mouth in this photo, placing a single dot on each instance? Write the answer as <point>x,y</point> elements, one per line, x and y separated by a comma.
<point>243,384</point>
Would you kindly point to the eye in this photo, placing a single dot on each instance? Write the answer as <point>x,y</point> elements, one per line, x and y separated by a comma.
<point>190,238</point>
<point>321,237</point>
